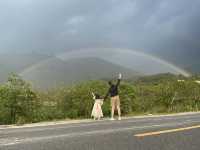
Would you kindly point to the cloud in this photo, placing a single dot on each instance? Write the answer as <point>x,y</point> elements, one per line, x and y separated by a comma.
<point>76,20</point>
<point>55,26</point>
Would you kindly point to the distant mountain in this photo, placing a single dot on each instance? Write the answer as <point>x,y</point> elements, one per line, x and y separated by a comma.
<point>17,62</point>
<point>158,78</point>
<point>48,71</point>
<point>56,72</point>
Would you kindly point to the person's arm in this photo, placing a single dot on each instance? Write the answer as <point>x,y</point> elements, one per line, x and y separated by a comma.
<point>118,82</point>
<point>119,79</point>
<point>107,95</point>
<point>94,97</point>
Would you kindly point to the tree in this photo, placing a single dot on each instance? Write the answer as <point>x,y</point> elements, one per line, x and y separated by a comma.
<point>17,101</point>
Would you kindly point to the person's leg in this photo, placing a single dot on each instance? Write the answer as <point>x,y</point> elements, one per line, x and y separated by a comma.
<point>118,107</point>
<point>112,107</point>
<point>119,112</point>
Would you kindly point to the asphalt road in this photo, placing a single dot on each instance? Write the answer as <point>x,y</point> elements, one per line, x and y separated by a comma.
<point>180,132</point>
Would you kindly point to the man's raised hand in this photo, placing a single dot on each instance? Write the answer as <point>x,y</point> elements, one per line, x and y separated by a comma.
<point>120,76</point>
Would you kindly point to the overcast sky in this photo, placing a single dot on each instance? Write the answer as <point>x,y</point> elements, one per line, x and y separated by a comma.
<point>62,25</point>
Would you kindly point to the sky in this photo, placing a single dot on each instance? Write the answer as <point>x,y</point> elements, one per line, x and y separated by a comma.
<point>56,26</point>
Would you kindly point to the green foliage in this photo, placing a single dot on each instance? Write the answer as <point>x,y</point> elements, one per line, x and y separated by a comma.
<point>168,96</point>
<point>127,98</point>
<point>154,94</point>
<point>78,100</point>
<point>16,101</point>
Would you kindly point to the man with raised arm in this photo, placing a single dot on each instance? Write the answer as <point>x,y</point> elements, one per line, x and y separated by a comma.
<point>114,94</point>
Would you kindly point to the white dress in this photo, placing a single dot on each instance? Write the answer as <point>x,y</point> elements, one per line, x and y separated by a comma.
<point>97,111</point>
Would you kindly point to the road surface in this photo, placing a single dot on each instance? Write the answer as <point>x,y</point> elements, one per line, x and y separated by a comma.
<point>178,132</point>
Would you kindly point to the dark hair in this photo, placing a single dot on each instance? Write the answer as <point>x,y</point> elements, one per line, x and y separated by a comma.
<point>97,96</point>
<point>110,82</point>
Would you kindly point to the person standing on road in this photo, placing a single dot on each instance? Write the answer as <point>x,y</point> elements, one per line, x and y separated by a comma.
<point>115,100</point>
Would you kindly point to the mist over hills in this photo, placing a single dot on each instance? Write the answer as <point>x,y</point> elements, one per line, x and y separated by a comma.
<point>15,63</point>
<point>186,59</point>
<point>53,71</point>
<point>56,72</point>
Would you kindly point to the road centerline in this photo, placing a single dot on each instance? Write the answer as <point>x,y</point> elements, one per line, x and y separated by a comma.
<point>22,140</point>
<point>166,131</point>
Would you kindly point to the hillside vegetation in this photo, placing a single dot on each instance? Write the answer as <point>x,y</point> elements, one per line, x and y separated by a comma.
<point>19,103</point>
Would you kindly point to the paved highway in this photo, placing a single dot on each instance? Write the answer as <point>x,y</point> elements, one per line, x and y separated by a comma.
<point>177,132</point>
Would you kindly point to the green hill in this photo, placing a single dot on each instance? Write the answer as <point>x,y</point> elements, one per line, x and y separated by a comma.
<point>56,72</point>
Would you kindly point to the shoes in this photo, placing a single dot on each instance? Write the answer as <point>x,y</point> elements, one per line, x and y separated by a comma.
<point>112,119</point>
<point>119,118</point>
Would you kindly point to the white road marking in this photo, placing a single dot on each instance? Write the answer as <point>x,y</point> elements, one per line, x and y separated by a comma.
<point>9,141</point>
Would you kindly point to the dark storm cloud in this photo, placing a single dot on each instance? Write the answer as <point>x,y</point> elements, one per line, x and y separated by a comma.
<point>55,26</point>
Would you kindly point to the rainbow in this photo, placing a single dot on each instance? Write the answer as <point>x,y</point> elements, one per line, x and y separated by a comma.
<point>108,54</point>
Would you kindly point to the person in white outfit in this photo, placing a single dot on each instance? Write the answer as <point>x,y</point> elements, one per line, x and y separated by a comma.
<point>97,111</point>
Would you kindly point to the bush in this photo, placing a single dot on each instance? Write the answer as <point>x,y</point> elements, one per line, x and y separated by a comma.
<point>20,104</point>
<point>17,101</point>
<point>78,100</point>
